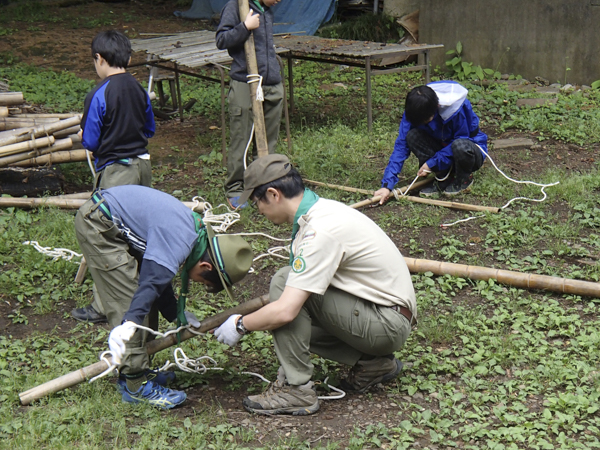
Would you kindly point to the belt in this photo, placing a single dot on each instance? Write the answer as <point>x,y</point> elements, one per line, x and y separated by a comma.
<point>101,205</point>
<point>405,312</point>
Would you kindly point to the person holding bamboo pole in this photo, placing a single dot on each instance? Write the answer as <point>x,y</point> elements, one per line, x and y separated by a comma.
<point>346,295</point>
<point>117,122</point>
<point>135,239</point>
<point>441,129</point>
<point>232,33</point>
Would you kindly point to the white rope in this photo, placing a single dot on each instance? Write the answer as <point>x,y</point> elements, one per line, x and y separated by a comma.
<point>398,192</point>
<point>55,253</point>
<point>254,78</point>
<point>248,146</point>
<point>192,365</point>
<point>543,186</point>
<point>89,160</point>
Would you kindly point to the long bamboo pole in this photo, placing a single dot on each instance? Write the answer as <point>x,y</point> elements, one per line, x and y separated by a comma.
<point>11,98</point>
<point>342,188</point>
<point>21,147</point>
<point>453,205</point>
<point>54,158</point>
<point>9,123</point>
<point>25,134</point>
<point>260,132</point>
<point>517,279</point>
<point>61,144</point>
<point>3,111</point>
<point>399,191</point>
<point>46,116</point>
<point>66,203</point>
<point>81,375</point>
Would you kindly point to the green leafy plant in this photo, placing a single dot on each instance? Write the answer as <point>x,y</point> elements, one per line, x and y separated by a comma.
<point>463,70</point>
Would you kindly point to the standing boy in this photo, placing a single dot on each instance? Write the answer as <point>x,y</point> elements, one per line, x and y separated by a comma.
<point>117,122</point>
<point>347,294</point>
<point>440,128</point>
<point>232,33</point>
<point>135,239</point>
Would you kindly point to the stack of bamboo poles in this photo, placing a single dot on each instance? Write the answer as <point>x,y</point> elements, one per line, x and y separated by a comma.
<point>36,139</point>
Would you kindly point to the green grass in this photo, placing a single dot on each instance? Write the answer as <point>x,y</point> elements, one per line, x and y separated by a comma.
<point>489,365</point>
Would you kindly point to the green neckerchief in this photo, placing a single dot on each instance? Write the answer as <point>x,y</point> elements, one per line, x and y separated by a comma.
<point>199,248</point>
<point>259,6</point>
<point>309,199</point>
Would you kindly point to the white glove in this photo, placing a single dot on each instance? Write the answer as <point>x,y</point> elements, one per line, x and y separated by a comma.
<point>192,319</point>
<point>117,339</point>
<point>227,333</point>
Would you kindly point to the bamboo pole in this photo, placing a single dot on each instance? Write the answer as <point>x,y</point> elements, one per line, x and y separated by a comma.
<point>260,132</point>
<point>81,271</point>
<point>28,145</point>
<point>399,191</point>
<point>67,203</point>
<point>11,98</point>
<point>453,205</point>
<point>25,134</point>
<point>81,375</point>
<point>71,131</point>
<point>517,279</point>
<point>10,123</point>
<point>337,186</point>
<point>3,111</point>
<point>47,116</point>
<point>54,158</point>
<point>62,144</point>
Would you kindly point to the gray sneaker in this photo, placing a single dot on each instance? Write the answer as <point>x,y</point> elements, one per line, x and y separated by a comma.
<point>284,398</point>
<point>365,374</point>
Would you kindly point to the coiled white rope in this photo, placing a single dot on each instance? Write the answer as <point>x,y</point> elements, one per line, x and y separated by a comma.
<point>543,186</point>
<point>55,253</point>
<point>191,365</point>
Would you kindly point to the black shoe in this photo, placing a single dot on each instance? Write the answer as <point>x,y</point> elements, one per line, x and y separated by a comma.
<point>88,314</point>
<point>461,184</point>
<point>436,187</point>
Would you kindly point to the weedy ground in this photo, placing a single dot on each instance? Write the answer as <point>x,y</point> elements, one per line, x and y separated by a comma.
<point>487,366</point>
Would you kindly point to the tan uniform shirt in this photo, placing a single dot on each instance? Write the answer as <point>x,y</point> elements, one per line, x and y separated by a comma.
<point>339,246</point>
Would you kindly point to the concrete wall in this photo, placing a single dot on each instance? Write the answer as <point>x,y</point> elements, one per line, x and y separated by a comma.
<point>545,36</point>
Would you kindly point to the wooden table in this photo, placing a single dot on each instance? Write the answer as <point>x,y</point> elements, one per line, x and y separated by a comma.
<point>197,49</point>
<point>375,57</point>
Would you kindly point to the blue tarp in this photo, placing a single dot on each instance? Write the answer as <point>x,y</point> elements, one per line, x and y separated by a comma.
<point>299,16</point>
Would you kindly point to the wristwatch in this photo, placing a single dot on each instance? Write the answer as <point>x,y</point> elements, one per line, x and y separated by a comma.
<point>239,326</point>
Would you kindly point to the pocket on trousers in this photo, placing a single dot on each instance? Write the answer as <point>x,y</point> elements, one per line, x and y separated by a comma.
<point>235,111</point>
<point>107,261</point>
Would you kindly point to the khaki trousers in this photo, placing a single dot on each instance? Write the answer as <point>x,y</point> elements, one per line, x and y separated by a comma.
<point>240,125</point>
<point>138,172</point>
<point>115,274</point>
<point>337,326</point>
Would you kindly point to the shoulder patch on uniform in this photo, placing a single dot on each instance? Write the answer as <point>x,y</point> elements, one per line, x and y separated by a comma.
<point>298,265</point>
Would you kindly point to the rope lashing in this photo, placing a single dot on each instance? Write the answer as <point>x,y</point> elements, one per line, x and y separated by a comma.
<point>256,78</point>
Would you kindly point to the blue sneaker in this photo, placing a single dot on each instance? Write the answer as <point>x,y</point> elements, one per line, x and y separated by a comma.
<point>234,203</point>
<point>163,378</point>
<point>156,395</point>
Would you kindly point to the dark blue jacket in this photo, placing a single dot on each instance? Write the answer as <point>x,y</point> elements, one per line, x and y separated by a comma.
<point>455,119</point>
<point>117,120</point>
<point>232,34</point>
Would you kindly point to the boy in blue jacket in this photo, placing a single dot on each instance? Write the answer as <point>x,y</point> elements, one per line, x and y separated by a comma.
<point>117,122</point>
<point>440,128</point>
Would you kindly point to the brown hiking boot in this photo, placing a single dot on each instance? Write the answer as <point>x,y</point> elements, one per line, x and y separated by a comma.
<point>284,398</point>
<point>367,373</point>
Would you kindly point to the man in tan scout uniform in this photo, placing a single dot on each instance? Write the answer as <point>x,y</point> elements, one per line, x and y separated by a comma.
<point>347,294</point>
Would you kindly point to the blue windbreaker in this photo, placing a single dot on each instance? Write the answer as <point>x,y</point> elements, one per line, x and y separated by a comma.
<point>455,119</point>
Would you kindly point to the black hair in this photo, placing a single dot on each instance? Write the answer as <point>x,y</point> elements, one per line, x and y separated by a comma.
<point>113,46</point>
<point>211,276</point>
<point>290,185</point>
<point>421,104</point>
